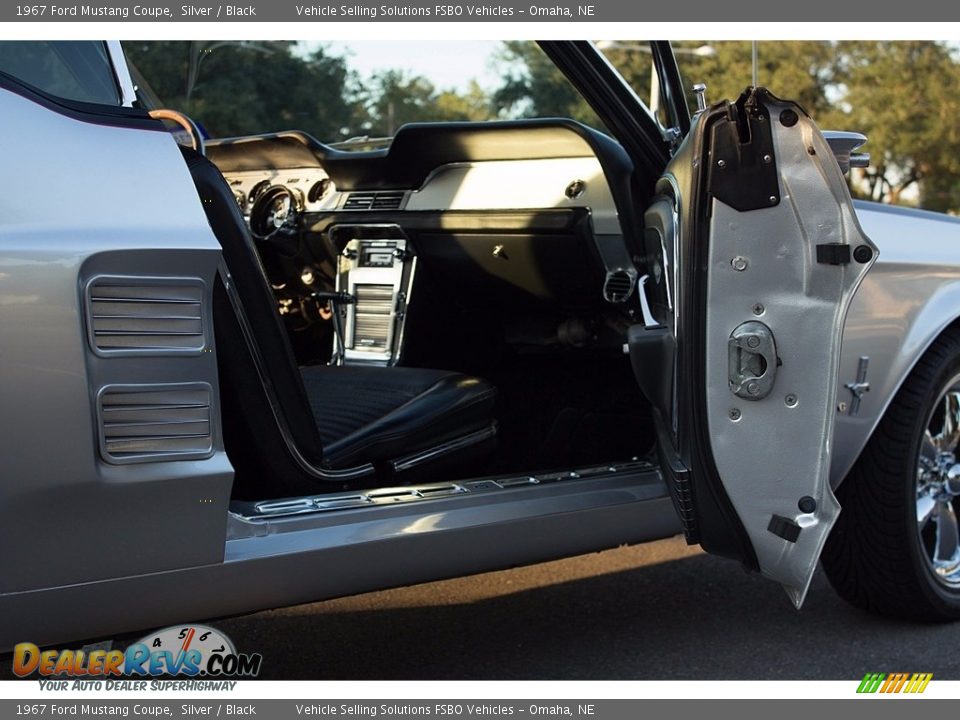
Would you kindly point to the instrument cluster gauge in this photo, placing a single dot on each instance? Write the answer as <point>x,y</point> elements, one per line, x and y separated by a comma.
<point>275,210</point>
<point>257,190</point>
<point>319,190</point>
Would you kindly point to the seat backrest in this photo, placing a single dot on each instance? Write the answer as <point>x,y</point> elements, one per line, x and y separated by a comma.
<point>271,351</point>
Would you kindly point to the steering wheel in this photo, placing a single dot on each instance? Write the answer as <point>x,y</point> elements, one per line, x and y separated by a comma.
<point>196,137</point>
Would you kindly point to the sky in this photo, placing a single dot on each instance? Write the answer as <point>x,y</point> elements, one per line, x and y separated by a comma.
<point>448,64</point>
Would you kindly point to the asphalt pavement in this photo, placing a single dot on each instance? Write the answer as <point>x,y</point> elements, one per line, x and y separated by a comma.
<point>657,611</point>
<point>661,611</point>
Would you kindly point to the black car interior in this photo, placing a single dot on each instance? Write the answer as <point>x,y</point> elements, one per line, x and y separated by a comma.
<point>372,344</point>
<point>341,421</point>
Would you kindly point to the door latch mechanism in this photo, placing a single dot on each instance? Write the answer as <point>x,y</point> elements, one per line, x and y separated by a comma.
<point>752,360</point>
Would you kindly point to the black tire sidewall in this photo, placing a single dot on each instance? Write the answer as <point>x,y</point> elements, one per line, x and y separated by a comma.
<point>945,600</point>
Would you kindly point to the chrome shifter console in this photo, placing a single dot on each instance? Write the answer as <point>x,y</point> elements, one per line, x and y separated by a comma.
<point>375,267</point>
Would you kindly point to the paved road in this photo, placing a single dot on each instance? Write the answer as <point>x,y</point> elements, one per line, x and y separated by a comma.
<point>659,611</point>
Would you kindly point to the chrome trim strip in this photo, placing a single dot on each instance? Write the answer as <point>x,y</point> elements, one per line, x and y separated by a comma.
<point>267,510</point>
<point>381,496</point>
<point>128,95</point>
<point>409,461</point>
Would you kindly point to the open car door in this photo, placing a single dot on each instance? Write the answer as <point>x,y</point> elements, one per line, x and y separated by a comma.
<point>753,253</point>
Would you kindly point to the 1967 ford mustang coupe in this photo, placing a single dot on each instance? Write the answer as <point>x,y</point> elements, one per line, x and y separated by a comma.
<point>264,370</point>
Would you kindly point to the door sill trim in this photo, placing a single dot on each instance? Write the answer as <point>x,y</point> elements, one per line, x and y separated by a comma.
<point>260,511</point>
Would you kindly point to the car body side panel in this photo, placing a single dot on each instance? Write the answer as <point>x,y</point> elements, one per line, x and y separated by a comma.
<point>356,552</point>
<point>81,199</point>
<point>908,298</point>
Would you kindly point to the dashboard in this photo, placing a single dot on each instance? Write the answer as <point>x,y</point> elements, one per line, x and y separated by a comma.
<point>514,215</point>
<point>479,186</point>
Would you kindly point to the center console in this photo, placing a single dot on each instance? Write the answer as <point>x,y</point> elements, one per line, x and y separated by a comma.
<point>375,268</point>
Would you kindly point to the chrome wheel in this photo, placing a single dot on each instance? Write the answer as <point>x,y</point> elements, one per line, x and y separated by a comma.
<point>895,548</point>
<point>938,486</point>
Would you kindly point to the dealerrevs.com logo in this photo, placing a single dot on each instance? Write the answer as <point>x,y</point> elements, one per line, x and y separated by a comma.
<point>894,683</point>
<point>182,650</point>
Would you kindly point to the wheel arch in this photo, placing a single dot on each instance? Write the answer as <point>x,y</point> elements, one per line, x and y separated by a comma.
<point>893,351</point>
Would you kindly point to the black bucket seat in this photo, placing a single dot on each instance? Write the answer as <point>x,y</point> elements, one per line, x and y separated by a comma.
<point>298,426</point>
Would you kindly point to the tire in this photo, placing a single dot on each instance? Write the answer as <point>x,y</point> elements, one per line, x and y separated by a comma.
<point>877,557</point>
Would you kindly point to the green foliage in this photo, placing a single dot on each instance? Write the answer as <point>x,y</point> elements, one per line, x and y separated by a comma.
<point>905,96</point>
<point>802,71</point>
<point>240,88</point>
<point>533,87</point>
<point>394,98</point>
<point>235,88</point>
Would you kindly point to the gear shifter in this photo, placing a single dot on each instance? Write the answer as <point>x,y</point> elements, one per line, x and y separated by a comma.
<point>336,299</point>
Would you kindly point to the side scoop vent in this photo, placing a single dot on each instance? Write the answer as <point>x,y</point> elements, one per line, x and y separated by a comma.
<point>147,318</point>
<point>151,423</point>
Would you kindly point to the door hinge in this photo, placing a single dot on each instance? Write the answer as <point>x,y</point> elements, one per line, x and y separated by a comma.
<point>743,167</point>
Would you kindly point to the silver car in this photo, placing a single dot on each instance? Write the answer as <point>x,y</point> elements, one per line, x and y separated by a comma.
<point>266,370</point>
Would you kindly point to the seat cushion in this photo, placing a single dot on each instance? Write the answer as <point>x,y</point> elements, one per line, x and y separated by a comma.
<point>375,414</point>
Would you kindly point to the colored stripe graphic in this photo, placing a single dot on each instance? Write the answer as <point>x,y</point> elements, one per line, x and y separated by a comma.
<point>871,682</point>
<point>894,683</point>
<point>919,684</point>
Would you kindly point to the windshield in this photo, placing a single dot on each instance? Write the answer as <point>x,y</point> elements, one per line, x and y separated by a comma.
<point>73,70</point>
<point>355,94</point>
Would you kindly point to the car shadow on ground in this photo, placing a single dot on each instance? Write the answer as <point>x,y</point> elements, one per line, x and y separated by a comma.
<point>657,612</point>
<point>695,618</point>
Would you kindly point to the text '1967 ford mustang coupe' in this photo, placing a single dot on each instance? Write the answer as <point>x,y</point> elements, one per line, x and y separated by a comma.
<point>249,372</point>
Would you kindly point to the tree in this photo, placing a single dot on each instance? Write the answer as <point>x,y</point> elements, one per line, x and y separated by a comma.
<point>234,88</point>
<point>802,71</point>
<point>472,104</point>
<point>905,96</point>
<point>533,86</point>
<point>394,98</point>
